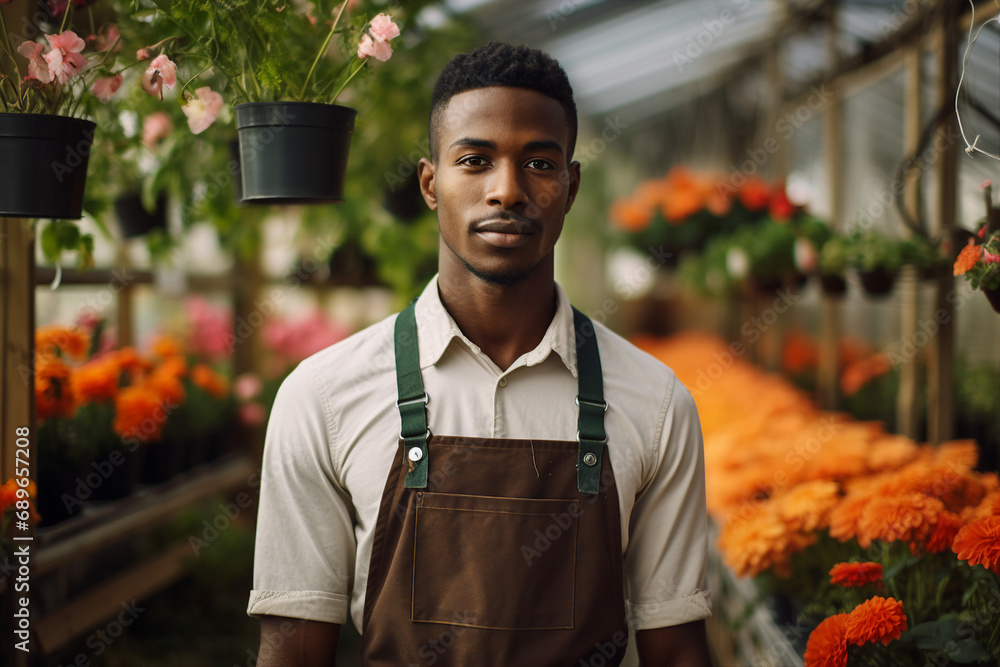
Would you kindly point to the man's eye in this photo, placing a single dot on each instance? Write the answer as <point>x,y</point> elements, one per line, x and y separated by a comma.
<point>540,164</point>
<point>473,161</point>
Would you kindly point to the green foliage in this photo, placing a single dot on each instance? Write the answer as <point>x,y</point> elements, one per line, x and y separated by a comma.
<point>870,250</point>
<point>833,256</point>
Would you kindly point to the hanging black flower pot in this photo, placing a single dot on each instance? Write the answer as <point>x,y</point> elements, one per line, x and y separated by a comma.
<point>57,499</point>
<point>43,160</point>
<point>294,152</point>
<point>134,220</point>
<point>877,282</point>
<point>993,296</point>
<point>833,285</point>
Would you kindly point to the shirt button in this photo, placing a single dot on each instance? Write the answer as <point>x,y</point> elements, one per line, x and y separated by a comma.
<point>502,382</point>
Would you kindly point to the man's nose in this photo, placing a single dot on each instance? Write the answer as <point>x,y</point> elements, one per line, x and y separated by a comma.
<point>506,187</point>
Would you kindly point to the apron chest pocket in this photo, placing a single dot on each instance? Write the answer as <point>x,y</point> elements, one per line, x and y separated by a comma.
<point>495,563</point>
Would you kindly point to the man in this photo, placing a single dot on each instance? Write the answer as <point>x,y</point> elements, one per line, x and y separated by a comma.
<point>484,478</point>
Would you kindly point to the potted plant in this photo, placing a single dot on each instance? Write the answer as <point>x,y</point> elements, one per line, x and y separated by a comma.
<point>44,138</point>
<point>833,258</point>
<point>980,262</point>
<point>924,256</point>
<point>763,257</point>
<point>294,139</point>
<point>877,259</point>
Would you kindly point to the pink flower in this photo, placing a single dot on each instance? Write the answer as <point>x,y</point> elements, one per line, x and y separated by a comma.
<point>990,258</point>
<point>806,259</point>
<point>108,37</point>
<point>294,341</point>
<point>37,67</point>
<point>252,414</point>
<point>383,28</point>
<point>105,88</point>
<point>64,58</point>
<point>58,7</point>
<point>247,386</point>
<point>142,54</point>
<point>211,329</point>
<point>203,110</point>
<point>378,48</point>
<point>987,183</point>
<point>982,232</point>
<point>161,72</point>
<point>156,126</point>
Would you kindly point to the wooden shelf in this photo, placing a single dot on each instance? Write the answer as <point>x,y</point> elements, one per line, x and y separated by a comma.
<point>103,523</point>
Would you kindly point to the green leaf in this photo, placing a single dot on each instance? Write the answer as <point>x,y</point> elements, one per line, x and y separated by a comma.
<point>50,242</point>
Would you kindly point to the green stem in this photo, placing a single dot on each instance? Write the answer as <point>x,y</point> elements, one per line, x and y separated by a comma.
<point>348,80</point>
<point>8,47</point>
<point>90,12</point>
<point>184,87</point>
<point>69,8</point>
<point>322,49</point>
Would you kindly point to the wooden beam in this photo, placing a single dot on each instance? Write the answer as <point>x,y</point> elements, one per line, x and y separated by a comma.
<point>908,285</point>
<point>941,376</point>
<point>17,402</point>
<point>111,600</point>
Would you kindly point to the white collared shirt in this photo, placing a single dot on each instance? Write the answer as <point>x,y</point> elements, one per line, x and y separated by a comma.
<point>334,430</point>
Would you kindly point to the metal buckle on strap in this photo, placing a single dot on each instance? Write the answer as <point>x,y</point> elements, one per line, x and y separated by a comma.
<point>603,442</point>
<point>602,404</point>
<point>425,399</point>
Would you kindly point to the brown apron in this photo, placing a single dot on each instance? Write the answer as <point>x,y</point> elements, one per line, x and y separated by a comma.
<point>492,551</point>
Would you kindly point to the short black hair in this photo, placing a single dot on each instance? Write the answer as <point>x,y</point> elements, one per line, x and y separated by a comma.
<point>500,64</point>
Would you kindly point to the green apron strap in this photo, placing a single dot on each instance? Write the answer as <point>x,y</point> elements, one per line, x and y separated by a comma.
<point>590,424</point>
<point>412,399</point>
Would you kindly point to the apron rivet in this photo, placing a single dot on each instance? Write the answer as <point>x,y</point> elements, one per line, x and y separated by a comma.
<point>415,454</point>
<point>589,459</point>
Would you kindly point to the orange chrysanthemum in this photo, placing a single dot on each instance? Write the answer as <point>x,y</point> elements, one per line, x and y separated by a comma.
<point>166,346</point>
<point>71,341</point>
<point>755,194</point>
<point>168,389</point>
<point>630,215</point>
<point>204,377</point>
<point>910,517</point>
<point>827,645</point>
<point>855,574</point>
<point>128,359</point>
<point>859,373</point>
<point>138,413</point>
<point>762,542</point>
<point>968,257</point>
<point>175,367</point>
<point>8,496</point>
<point>800,353</point>
<point>96,381</point>
<point>978,543</point>
<point>53,389</point>
<point>947,526</point>
<point>876,620</point>
<point>807,506</point>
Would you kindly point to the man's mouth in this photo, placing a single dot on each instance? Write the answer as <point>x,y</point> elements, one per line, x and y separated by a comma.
<point>504,233</point>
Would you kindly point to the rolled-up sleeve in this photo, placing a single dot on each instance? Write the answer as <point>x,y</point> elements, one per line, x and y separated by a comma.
<point>305,544</point>
<point>666,560</point>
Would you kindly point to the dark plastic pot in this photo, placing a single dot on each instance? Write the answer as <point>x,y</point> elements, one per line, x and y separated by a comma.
<point>234,156</point>
<point>833,285</point>
<point>294,152</point>
<point>117,481</point>
<point>134,220</point>
<point>993,296</point>
<point>878,282</point>
<point>53,485</point>
<point>43,160</point>
<point>161,460</point>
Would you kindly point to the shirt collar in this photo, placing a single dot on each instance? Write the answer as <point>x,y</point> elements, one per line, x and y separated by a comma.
<point>436,329</point>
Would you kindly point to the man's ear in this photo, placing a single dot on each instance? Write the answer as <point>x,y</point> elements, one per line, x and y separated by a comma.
<point>574,183</point>
<point>425,174</point>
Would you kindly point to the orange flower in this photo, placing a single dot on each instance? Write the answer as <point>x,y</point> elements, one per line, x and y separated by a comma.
<point>8,496</point>
<point>630,216</point>
<point>807,506</point>
<point>859,373</point>
<point>206,378</point>
<point>96,381</point>
<point>855,574</point>
<point>71,341</point>
<point>138,413</point>
<point>947,526</point>
<point>876,620</point>
<point>968,257</point>
<point>755,195</point>
<point>128,359</point>
<point>978,543</point>
<point>166,345</point>
<point>827,645</point>
<point>762,542</point>
<point>910,517</point>
<point>53,389</point>
<point>780,207</point>
<point>800,353</point>
<point>167,387</point>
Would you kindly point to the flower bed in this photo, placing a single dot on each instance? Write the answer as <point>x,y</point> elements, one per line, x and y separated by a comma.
<point>797,492</point>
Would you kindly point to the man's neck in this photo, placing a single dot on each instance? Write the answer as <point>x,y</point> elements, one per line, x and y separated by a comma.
<point>505,321</point>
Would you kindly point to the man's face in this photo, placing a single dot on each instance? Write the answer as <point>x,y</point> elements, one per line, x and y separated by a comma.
<point>501,184</point>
